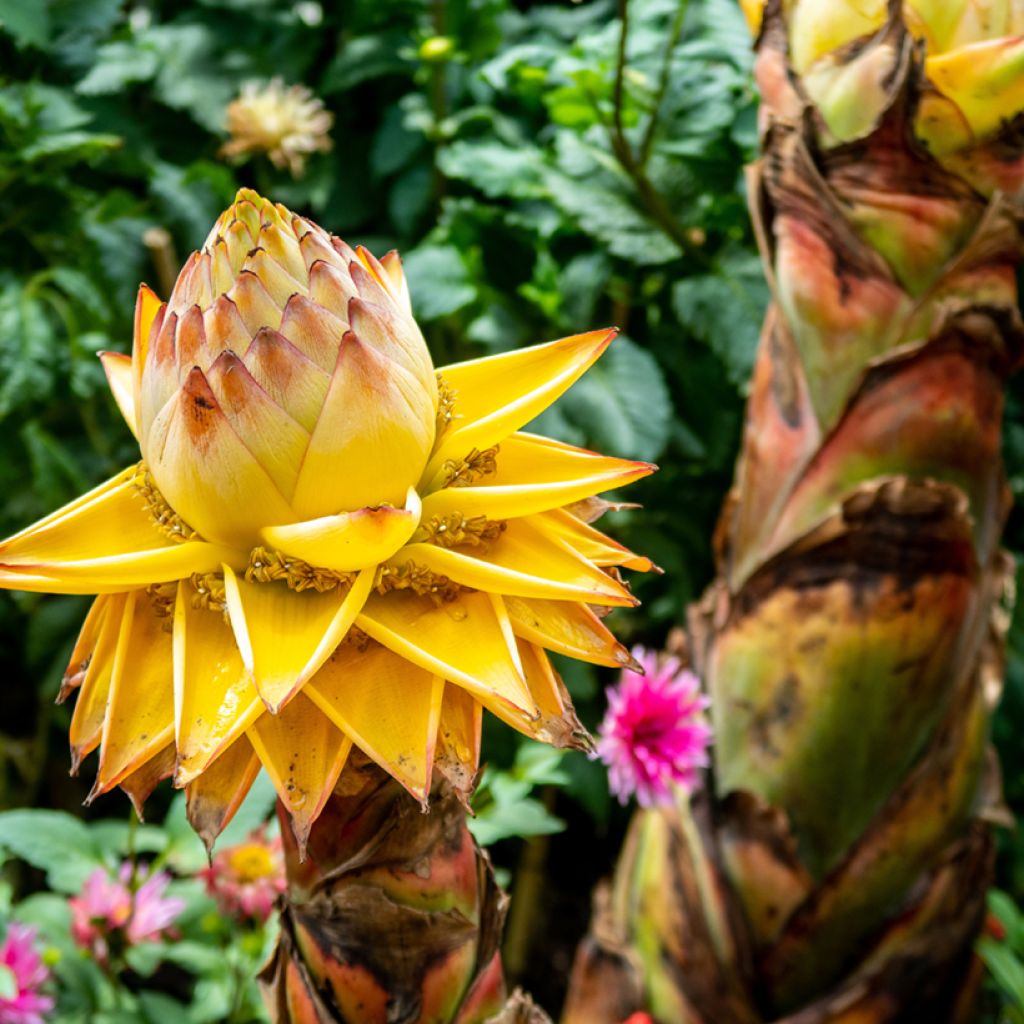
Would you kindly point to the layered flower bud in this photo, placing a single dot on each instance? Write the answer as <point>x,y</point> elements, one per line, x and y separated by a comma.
<point>284,381</point>
<point>973,68</point>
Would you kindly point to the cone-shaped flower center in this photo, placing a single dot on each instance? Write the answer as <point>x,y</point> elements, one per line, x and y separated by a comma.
<point>285,381</point>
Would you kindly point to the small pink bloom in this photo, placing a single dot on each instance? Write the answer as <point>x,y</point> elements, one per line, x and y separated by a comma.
<point>20,959</point>
<point>654,733</point>
<point>153,912</point>
<point>109,912</point>
<point>247,879</point>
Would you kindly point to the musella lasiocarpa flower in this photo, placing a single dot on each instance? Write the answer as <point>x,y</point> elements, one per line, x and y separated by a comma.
<point>654,735</point>
<point>327,543</point>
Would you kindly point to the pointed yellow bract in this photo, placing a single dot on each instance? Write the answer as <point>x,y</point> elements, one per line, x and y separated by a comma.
<point>303,753</point>
<point>818,27</point>
<point>139,720</point>
<point>326,544</point>
<point>285,637</point>
<point>387,707</point>
<point>212,798</point>
<point>91,706</point>
<point>214,697</point>
<point>118,368</point>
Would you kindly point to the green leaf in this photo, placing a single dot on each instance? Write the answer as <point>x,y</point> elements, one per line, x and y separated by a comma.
<point>161,1009</point>
<point>410,197</point>
<point>27,21</point>
<point>71,146</point>
<point>255,811</point>
<point>724,309</point>
<point>523,818</point>
<point>118,65</point>
<point>27,347</point>
<point>365,58</point>
<point>613,219</point>
<point>1006,968</point>
<point>55,843</point>
<point>439,281</point>
<point>497,170</point>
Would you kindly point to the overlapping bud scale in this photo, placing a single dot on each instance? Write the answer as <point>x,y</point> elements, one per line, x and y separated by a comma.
<point>972,58</point>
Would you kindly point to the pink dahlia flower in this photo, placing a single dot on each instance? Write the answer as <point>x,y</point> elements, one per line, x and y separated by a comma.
<point>23,974</point>
<point>108,911</point>
<point>247,879</point>
<point>654,734</point>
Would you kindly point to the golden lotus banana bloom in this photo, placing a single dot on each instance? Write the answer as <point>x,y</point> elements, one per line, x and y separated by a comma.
<point>326,543</point>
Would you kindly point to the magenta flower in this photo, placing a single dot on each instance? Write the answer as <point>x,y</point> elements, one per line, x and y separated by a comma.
<point>246,879</point>
<point>654,734</point>
<point>109,913</point>
<point>22,974</point>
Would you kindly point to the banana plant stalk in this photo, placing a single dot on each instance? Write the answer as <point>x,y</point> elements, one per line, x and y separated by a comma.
<point>392,915</point>
<point>835,868</point>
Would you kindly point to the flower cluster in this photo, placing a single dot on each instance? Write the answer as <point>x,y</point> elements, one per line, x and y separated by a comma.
<point>246,879</point>
<point>22,975</point>
<point>114,912</point>
<point>654,734</point>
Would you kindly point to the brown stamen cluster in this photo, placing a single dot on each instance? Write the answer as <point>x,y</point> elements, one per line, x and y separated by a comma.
<point>156,505</point>
<point>445,404</point>
<point>455,530</point>
<point>209,591</point>
<point>459,472</point>
<point>163,596</point>
<point>419,579</point>
<point>272,566</point>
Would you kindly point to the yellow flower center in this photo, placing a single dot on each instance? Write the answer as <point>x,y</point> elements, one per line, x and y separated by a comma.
<point>252,862</point>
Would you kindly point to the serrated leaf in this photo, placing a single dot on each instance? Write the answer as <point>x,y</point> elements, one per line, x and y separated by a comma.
<point>612,218</point>
<point>26,21</point>
<point>119,64</point>
<point>27,348</point>
<point>161,1009</point>
<point>254,812</point>
<point>72,146</point>
<point>497,170</point>
<point>526,817</point>
<point>724,309</point>
<point>1006,968</point>
<point>439,280</point>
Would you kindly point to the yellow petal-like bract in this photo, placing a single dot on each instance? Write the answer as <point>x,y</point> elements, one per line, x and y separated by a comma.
<point>327,544</point>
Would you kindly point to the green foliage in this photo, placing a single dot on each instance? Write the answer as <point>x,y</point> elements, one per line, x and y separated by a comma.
<point>201,973</point>
<point>1002,949</point>
<point>503,805</point>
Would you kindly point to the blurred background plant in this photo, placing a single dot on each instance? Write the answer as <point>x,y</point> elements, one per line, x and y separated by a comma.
<point>542,173</point>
